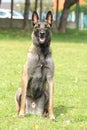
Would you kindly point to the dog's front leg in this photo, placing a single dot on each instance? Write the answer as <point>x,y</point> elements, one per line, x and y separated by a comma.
<point>24,87</point>
<point>51,91</point>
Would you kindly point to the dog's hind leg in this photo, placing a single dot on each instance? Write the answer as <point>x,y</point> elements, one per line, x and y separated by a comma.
<point>18,99</point>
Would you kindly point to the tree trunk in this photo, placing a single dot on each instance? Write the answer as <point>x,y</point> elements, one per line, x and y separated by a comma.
<point>12,3</point>
<point>77,15</point>
<point>40,9</point>
<point>57,6</point>
<point>26,15</point>
<point>36,2</point>
<point>63,19</point>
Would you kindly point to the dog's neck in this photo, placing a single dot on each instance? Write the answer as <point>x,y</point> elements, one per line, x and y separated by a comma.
<point>40,50</point>
<point>43,50</point>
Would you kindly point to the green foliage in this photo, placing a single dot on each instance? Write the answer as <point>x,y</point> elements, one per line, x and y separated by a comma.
<point>73,8</point>
<point>85,0</point>
<point>82,8</point>
<point>70,93</point>
<point>47,5</point>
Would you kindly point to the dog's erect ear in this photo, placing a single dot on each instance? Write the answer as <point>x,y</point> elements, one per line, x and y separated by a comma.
<point>49,18</point>
<point>35,17</point>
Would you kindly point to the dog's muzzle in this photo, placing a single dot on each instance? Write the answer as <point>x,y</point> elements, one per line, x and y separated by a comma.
<point>42,36</point>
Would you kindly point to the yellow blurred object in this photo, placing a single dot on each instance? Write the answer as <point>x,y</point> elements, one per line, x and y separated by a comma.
<point>35,127</point>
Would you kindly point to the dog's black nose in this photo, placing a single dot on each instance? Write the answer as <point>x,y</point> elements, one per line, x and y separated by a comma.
<point>42,34</point>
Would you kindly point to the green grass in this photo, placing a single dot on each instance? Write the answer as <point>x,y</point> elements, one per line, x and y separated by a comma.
<point>70,94</point>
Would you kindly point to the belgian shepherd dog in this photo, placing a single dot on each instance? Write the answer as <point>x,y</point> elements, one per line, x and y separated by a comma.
<point>36,94</point>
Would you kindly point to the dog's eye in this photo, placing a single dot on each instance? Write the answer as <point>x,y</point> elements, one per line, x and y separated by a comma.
<point>47,26</point>
<point>39,25</point>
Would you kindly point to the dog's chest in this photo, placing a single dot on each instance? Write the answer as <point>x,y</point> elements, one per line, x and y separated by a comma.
<point>38,68</point>
<point>37,77</point>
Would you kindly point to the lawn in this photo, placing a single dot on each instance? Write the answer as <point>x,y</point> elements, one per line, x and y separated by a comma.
<point>70,94</point>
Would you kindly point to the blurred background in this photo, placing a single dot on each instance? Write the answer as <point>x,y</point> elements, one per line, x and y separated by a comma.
<point>66,13</point>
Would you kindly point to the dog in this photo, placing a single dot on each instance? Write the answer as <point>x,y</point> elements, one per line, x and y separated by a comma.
<point>36,94</point>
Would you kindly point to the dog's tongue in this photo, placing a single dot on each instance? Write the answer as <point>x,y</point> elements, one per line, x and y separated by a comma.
<point>42,40</point>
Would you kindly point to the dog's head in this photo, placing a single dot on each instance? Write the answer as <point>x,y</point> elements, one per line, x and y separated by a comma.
<point>41,32</point>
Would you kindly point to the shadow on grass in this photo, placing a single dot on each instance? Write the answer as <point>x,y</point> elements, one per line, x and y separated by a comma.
<point>61,110</point>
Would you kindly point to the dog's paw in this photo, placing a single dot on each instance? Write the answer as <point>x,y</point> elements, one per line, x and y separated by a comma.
<point>21,114</point>
<point>52,117</point>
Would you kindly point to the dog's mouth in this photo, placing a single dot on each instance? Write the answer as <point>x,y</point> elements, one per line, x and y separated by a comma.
<point>42,40</point>
<point>42,37</point>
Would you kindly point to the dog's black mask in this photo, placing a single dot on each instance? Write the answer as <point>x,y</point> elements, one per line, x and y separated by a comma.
<point>41,34</point>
